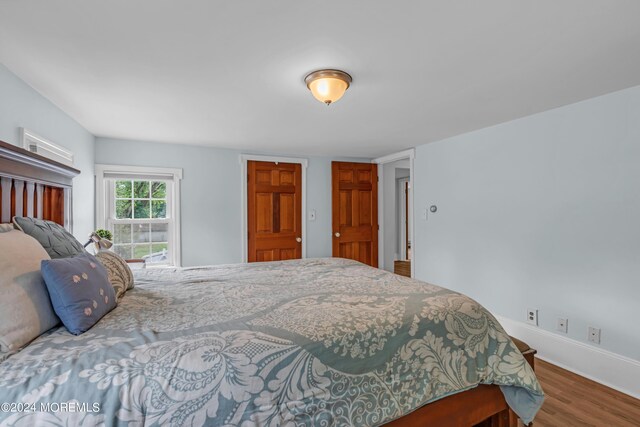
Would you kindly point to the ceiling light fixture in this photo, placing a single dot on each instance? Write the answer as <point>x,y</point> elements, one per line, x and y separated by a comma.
<point>328,85</point>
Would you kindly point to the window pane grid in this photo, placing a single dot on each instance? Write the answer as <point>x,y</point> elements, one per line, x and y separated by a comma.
<point>142,240</point>
<point>140,222</point>
<point>137,251</point>
<point>140,199</point>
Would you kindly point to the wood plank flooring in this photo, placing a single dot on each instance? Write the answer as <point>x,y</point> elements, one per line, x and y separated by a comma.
<point>403,268</point>
<point>572,400</point>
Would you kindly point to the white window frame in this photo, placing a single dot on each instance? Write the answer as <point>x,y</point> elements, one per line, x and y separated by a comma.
<point>36,144</point>
<point>105,199</point>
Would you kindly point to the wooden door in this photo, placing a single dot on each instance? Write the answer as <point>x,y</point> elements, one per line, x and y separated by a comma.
<point>274,211</point>
<point>355,211</point>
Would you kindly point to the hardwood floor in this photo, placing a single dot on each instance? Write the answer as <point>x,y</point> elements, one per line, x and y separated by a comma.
<point>572,400</point>
<point>402,268</point>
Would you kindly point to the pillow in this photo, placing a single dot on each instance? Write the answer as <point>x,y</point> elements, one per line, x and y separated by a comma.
<point>6,227</point>
<point>57,241</point>
<point>25,308</point>
<point>118,270</point>
<point>80,291</point>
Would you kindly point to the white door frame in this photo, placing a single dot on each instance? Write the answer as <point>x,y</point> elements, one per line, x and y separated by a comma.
<point>243,197</point>
<point>401,155</point>
<point>404,206</point>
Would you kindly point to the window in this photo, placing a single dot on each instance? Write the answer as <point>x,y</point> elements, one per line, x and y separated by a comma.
<point>142,212</point>
<point>140,224</point>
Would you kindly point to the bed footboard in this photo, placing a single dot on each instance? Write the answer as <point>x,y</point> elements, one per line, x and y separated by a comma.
<point>483,406</point>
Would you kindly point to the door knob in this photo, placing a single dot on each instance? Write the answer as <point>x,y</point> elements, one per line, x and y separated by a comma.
<point>298,239</point>
<point>337,234</point>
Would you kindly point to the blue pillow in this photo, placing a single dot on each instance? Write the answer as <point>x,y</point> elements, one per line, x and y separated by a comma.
<point>79,289</point>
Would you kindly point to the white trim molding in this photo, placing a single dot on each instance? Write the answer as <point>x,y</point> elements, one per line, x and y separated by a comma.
<point>34,143</point>
<point>171,174</point>
<point>404,204</point>
<point>605,367</point>
<point>400,155</point>
<point>243,196</point>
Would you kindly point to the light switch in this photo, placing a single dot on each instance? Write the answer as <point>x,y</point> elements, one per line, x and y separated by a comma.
<point>425,212</point>
<point>312,215</point>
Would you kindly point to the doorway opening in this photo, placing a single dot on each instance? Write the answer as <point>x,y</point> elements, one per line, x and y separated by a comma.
<point>396,243</point>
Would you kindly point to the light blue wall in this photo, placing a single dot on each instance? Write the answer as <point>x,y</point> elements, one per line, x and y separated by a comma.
<point>210,193</point>
<point>22,106</point>
<point>541,212</point>
<point>319,234</point>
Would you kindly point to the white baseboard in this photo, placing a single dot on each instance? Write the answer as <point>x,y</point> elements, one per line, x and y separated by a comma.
<point>613,370</point>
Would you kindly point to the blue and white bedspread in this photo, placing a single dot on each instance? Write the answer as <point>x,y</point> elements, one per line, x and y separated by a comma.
<point>307,342</point>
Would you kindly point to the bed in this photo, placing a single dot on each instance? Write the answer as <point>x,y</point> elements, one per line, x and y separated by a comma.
<point>305,342</point>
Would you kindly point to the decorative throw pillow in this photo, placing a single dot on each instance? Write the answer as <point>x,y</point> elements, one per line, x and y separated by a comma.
<point>80,291</point>
<point>118,270</point>
<point>6,227</point>
<point>57,241</point>
<point>25,308</point>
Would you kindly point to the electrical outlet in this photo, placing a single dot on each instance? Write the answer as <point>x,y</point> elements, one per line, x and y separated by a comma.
<point>594,335</point>
<point>532,316</point>
<point>563,325</point>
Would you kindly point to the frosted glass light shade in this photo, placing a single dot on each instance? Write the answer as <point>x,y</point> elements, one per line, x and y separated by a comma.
<point>328,86</point>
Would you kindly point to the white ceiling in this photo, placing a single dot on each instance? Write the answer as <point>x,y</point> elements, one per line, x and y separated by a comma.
<point>230,73</point>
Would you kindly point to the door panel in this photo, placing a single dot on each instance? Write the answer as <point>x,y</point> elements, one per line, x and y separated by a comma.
<point>287,212</point>
<point>274,211</point>
<point>287,177</point>
<point>364,176</point>
<point>364,210</point>
<point>264,212</point>
<point>263,256</point>
<point>287,254</point>
<point>355,211</point>
<point>345,208</point>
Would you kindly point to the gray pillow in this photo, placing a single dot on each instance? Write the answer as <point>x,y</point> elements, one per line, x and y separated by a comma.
<point>57,241</point>
<point>25,308</point>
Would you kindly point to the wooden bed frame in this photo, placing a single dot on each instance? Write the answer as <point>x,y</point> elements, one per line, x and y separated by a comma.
<point>35,186</point>
<point>483,406</point>
<point>32,185</point>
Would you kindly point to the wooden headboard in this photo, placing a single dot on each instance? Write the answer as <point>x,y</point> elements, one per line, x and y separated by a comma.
<point>35,186</point>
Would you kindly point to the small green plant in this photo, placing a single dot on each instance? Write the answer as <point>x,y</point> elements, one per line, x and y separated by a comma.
<point>105,234</point>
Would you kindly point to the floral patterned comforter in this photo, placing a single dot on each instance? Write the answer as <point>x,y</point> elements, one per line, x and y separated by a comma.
<point>305,342</point>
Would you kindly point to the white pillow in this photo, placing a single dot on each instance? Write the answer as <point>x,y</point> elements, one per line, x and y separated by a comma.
<point>6,227</point>
<point>25,307</point>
